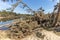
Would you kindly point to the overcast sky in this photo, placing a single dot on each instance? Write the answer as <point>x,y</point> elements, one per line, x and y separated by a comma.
<point>47,5</point>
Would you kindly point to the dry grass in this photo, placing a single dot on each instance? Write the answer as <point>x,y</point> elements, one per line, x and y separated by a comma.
<point>3,35</point>
<point>49,35</point>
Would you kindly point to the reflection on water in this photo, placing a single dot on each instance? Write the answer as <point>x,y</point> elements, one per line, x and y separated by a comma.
<point>2,23</point>
<point>4,27</point>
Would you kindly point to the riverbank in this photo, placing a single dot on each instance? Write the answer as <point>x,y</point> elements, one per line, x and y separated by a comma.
<point>27,30</point>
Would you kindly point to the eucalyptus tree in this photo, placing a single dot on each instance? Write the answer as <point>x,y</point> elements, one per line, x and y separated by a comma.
<point>53,19</point>
<point>18,3</point>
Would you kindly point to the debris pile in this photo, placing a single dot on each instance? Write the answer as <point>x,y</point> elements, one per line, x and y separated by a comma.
<point>27,27</point>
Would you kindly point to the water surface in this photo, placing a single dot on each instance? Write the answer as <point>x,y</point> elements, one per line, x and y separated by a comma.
<point>3,23</point>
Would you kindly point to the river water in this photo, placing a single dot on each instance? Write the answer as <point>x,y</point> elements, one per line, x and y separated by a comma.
<point>4,27</point>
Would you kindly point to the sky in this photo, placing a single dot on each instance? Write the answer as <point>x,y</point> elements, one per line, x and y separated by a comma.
<point>47,5</point>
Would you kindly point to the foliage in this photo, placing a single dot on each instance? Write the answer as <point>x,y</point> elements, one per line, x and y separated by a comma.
<point>31,22</point>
